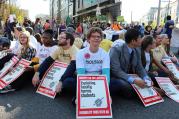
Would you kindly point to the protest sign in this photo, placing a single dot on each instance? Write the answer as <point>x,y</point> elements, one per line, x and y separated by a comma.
<point>149,96</point>
<point>51,78</point>
<point>8,65</point>
<point>93,98</point>
<point>170,89</point>
<point>14,74</point>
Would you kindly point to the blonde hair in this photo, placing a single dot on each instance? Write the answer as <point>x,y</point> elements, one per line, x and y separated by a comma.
<point>24,49</point>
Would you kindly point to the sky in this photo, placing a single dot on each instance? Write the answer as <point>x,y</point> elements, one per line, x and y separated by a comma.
<point>138,7</point>
<point>35,7</point>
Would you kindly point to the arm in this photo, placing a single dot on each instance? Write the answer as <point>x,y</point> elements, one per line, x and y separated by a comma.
<point>106,66</point>
<point>44,66</point>
<point>116,70</point>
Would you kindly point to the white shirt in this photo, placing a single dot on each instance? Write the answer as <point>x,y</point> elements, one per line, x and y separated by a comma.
<point>15,45</point>
<point>43,52</point>
<point>147,57</point>
<point>92,62</point>
<point>33,42</point>
<point>118,42</point>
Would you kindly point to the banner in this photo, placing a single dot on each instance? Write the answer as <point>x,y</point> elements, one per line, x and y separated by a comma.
<point>51,78</point>
<point>171,67</point>
<point>8,65</point>
<point>93,98</point>
<point>149,96</point>
<point>14,74</point>
<point>170,90</point>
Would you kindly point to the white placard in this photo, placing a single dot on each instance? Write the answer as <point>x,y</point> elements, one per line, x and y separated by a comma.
<point>14,74</point>
<point>51,78</point>
<point>170,90</point>
<point>93,98</point>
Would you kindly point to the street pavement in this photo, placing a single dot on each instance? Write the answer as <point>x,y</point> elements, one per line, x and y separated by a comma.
<point>26,104</point>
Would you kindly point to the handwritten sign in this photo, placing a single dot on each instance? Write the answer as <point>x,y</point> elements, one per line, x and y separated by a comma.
<point>51,78</point>
<point>93,99</point>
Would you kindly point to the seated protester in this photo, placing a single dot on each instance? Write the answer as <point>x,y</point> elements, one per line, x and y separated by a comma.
<point>45,50</point>
<point>126,60</point>
<point>158,53</point>
<point>106,44</point>
<point>148,43</point>
<point>66,53</point>
<point>165,42</point>
<point>92,59</point>
<point>25,52</point>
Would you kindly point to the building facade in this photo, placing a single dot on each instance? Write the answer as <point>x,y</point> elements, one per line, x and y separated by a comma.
<point>87,9</point>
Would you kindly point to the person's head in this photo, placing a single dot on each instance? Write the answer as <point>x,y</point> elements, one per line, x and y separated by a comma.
<point>65,39</point>
<point>37,20</point>
<point>143,24</point>
<point>168,17</point>
<point>148,43</point>
<point>158,39</point>
<point>47,21</point>
<point>108,25</point>
<point>70,30</point>
<point>17,31</point>
<point>148,28</point>
<point>30,30</point>
<point>38,37</point>
<point>132,37</point>
<point>4,43</point>
<point>24,38</point>
<point>95,36</point>
<point>122,35</point>
<point>47,37</point>
<point>165,39</point>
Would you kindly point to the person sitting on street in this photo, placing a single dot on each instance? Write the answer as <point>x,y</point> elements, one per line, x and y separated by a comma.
<point>126,60</point>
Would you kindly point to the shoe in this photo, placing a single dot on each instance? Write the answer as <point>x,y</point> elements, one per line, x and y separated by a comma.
<point>7,89</point>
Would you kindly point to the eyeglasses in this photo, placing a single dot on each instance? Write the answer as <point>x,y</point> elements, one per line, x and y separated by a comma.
<point>23,37</point>
<point>62,38</point>
<point>98,37</point>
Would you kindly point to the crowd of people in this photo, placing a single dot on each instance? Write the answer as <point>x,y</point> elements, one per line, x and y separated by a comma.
<point>91,49</point>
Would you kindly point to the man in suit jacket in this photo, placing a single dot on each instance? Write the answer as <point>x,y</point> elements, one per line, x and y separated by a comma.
<point>126,60</point>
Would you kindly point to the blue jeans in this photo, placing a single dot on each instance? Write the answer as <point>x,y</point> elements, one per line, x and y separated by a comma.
<point>70,84</point>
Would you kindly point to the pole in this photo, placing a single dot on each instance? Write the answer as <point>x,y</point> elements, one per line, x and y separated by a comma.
<point>168,8</point>
<point>177,12</point>
<point>131,16</point>
<point>158,16</point>
<point>68,7</point>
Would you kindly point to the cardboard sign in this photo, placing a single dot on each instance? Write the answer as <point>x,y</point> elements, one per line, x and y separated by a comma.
<point>14,74</point>
<point>170,89</point>
<point>149,96</point>
<point>8,65</point>
<point>93,98</point>
<point>51,78</point>
<point>171,67</point>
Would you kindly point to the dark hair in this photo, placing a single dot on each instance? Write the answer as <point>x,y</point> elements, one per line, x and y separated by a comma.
<point>131,34</point>
<point>19,28</point>
<point>94,30</point>
<point>155,35</point>
<point>70,36</point>
<point>147,40</point>
<point>47,20</point>
<point>30,30</point>
<point>38,37</point>
<point>108,24</point>
<point>37,20</point>
<point>49,32</point>
<point>168,17</point>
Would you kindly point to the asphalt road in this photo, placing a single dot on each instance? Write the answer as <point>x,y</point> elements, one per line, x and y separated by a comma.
<point>26,104</point>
